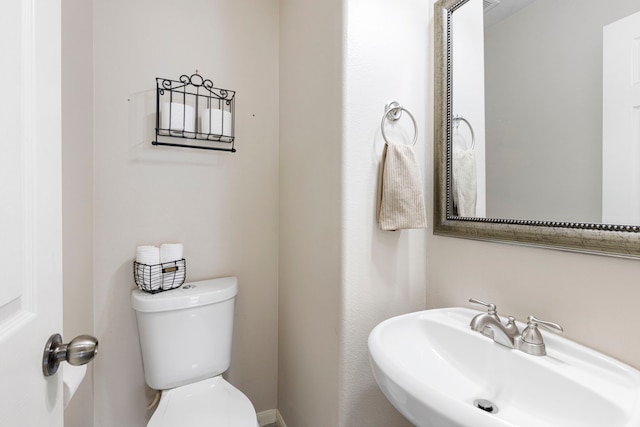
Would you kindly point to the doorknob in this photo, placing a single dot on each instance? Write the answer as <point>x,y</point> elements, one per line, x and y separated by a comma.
<point>82,349</point>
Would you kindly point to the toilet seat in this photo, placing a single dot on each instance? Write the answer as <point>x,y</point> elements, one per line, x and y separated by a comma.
<point>208,403</point>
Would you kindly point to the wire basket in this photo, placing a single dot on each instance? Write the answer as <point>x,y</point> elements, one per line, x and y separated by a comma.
<point>159,277</point>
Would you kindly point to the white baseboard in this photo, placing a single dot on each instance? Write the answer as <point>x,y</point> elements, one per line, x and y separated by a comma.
<point>269,417</point>
<point>280,420</point>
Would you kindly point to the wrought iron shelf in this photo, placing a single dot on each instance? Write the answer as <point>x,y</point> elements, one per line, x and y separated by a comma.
<point>192,113</point>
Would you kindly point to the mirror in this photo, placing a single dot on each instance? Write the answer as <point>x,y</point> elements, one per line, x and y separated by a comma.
<point>546,96</point>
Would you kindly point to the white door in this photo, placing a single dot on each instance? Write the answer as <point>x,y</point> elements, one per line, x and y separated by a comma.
<point>30,210</point>
<point>621,122</point>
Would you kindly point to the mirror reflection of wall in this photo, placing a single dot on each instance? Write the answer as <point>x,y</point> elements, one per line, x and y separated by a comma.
<point>467,58</point>
<point>621,121</point>
<point>543,107</point>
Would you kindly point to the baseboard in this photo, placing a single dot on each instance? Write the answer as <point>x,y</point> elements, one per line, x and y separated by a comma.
<point>269,417</point>
<point>279,420</point>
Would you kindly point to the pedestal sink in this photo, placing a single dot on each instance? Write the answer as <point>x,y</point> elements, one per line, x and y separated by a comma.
<point>432,367</point>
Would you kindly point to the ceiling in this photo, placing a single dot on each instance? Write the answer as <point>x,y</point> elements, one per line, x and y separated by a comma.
<point>497,10</point>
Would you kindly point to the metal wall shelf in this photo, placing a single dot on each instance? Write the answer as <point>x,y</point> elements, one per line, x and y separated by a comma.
<point>192,113</point>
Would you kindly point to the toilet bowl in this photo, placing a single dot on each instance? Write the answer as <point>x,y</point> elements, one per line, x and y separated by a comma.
<point>208,403</point>
<point>185,340</point>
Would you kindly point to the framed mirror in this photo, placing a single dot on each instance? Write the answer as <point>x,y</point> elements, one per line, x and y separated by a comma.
<point>537,123</point>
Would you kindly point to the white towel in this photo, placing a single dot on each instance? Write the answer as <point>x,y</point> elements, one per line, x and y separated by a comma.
<point>463,182</point>
<point>401,200</point>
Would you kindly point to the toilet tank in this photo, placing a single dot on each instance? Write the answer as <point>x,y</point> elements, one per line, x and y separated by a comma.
<point>185,334</point>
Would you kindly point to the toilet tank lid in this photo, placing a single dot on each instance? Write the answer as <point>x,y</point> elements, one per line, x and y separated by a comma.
<point>191,294</point>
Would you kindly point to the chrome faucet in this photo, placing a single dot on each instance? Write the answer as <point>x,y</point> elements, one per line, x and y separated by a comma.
<point>507,334</point>
<point>490,325</point>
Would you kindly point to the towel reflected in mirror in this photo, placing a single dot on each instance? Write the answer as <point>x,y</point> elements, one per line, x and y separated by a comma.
<point>463,178</point>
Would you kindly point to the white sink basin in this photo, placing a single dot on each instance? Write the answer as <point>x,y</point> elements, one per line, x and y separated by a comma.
<point>432,367</point>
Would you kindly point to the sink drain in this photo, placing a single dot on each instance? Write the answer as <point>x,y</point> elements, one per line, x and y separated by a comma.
<point>485,405</point>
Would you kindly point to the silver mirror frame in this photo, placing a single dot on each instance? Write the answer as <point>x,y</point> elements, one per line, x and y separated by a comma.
<point>606,239</point>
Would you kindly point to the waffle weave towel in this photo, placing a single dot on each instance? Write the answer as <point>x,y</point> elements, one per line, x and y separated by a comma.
<point>401,199</point>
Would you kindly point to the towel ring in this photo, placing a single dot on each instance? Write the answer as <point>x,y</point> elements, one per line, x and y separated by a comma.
<point>456,123</point>
<point>393,111</point>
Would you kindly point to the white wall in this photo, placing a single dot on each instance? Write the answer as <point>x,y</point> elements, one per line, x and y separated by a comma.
<point>384,272</point>
<point>77,190</point>
<point>221,206</point>
<point>339,274</point>
<point>467,57</point>
<point>620,121</point>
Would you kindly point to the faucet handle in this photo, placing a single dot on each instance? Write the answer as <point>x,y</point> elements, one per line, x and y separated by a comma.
<point>491,308</point>
<point>532,321</point>
<point>531,341</point>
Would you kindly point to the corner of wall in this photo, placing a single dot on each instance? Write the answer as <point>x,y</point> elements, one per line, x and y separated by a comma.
<point>310,204</point>
<point>77,189</point>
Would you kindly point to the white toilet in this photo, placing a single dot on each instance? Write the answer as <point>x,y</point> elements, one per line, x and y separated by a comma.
<point>185,337</point>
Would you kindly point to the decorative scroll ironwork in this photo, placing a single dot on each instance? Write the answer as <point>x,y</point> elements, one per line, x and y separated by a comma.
<point>192,108</point>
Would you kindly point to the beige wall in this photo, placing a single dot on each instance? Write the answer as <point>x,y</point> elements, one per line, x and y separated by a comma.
<point>310,202</point>
<point>593,297</point>
<point>221,206</point>
<point>77,189</point>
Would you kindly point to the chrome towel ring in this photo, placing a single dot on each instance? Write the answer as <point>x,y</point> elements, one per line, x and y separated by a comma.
<point>393,112</point>
<point>456,123</point>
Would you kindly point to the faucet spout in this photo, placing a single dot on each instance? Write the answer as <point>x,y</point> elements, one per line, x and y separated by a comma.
<point>492,327</point>
<point>500,334</point>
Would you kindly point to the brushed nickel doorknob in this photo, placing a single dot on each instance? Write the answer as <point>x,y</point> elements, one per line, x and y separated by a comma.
<point>81,350</point>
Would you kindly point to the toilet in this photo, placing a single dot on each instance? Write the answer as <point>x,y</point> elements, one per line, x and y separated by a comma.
<point>185,338</point>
